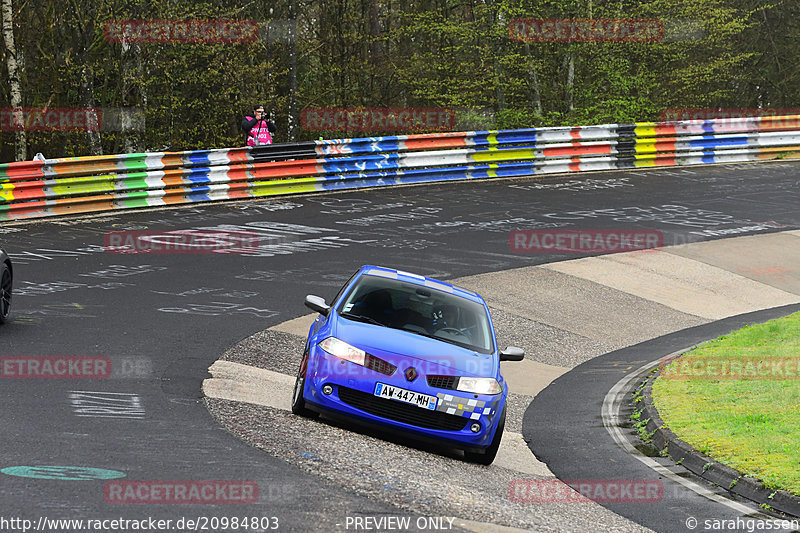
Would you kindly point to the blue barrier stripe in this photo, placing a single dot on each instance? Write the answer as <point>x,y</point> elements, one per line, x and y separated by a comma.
<point>713,142</point>
<point>198,197</point>
<point>198,175</point>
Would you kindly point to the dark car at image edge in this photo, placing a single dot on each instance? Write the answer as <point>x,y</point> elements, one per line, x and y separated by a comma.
<point>6,283</point>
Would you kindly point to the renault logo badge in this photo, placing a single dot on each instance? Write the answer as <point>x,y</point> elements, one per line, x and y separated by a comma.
<point>411,374</point>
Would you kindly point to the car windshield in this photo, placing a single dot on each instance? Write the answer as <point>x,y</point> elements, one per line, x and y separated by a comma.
<point>421,310</point>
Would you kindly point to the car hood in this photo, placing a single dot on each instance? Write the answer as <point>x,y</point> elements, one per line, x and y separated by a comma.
<point>433,356</point>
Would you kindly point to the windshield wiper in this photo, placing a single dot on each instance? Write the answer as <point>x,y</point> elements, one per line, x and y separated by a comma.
<point>418,333</point>
<point>430,336</point>
<point>362,318</point>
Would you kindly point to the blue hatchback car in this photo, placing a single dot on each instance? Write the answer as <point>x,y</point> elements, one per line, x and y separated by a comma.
<point>409,353</point>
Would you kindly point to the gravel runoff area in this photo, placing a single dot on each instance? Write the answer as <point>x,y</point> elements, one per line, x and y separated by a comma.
<point>413,477</point>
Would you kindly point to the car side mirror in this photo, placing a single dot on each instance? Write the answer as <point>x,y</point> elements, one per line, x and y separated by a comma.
<point>512,353</point>
<point>317,303</point>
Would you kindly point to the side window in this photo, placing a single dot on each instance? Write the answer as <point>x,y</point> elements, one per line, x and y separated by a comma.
<point>339,294</point>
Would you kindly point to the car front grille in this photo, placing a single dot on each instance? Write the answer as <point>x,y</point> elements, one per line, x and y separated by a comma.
<point>443,382</point>
<point>379,365</point>
<point>401,412</point>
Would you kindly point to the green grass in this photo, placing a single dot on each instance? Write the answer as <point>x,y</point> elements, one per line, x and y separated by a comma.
<point>751,424</point>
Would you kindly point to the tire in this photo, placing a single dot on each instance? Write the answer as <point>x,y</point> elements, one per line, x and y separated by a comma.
<point>487,457</point>
<point>5,292</point>
<point>298,402</point>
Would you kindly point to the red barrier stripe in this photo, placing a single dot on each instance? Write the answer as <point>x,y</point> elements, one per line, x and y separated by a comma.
<point>29,191</point>
<point>23,170</point>
<point>667,145</point>
<point>238,156</point>
<point>665,161</point>
<point>665,129</point>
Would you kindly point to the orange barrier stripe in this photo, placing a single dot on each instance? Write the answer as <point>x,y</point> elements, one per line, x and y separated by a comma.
<point>665,145</point>
<point>578,149</point>
<point>174,197</point>
<point>83,207</point>
<point>306,167</point>
<point>83,167</point>
<point>171,180</point>
<point>422,144</point>
<point>171,160</point>
<point>238,156</point>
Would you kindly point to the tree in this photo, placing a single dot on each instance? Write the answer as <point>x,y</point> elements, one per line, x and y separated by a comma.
<point>12,64</point>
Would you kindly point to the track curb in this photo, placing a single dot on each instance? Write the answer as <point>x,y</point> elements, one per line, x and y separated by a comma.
<point>707,467</point>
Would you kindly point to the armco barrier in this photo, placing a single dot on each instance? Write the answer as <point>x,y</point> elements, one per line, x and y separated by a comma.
<point>91,184</point>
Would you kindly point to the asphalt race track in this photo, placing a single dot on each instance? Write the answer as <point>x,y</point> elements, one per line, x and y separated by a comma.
<point>564,413</point>
<point>162,319</point>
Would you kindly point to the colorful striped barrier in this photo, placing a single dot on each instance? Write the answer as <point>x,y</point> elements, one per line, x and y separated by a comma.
<point>91,184</point>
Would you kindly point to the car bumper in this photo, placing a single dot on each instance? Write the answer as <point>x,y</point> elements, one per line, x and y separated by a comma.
<point>352,396</point>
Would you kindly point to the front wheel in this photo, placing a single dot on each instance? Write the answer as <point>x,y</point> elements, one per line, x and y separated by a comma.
<point>298,402</point>
<point>487,457</point>
<point>5,292</point>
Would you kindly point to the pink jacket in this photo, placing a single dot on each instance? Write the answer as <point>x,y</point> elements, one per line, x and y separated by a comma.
<point>260,131</point>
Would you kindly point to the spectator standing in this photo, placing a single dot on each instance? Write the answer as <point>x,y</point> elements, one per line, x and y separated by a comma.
<point>259,128</point>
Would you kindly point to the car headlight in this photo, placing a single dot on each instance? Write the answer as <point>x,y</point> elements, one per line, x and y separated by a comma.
<point>479,385</point>
<point>342,350</point>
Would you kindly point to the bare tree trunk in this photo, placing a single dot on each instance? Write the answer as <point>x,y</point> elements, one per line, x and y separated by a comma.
<point>86,88</point>
<point>20,144</point>
<point>292,120</point>
<point>499,75</point>
<point>500,94</point>
<point>87,101</point>
<point>376,53</point>
<point>132,70</point>
<point>569,64</point>
<point>536,98</point>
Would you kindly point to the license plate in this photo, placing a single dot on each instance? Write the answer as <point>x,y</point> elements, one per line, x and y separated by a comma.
<point>414,398</point>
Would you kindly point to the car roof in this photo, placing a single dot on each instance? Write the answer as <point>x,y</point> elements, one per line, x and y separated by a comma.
<point>423,281</point>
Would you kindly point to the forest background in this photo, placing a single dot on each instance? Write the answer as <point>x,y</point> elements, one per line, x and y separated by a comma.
<point>460,55</point>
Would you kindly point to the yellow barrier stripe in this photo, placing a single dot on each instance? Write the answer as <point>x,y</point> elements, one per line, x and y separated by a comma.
<point>645,129</point>
<point>270,188</point>
<point>500,155</point>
